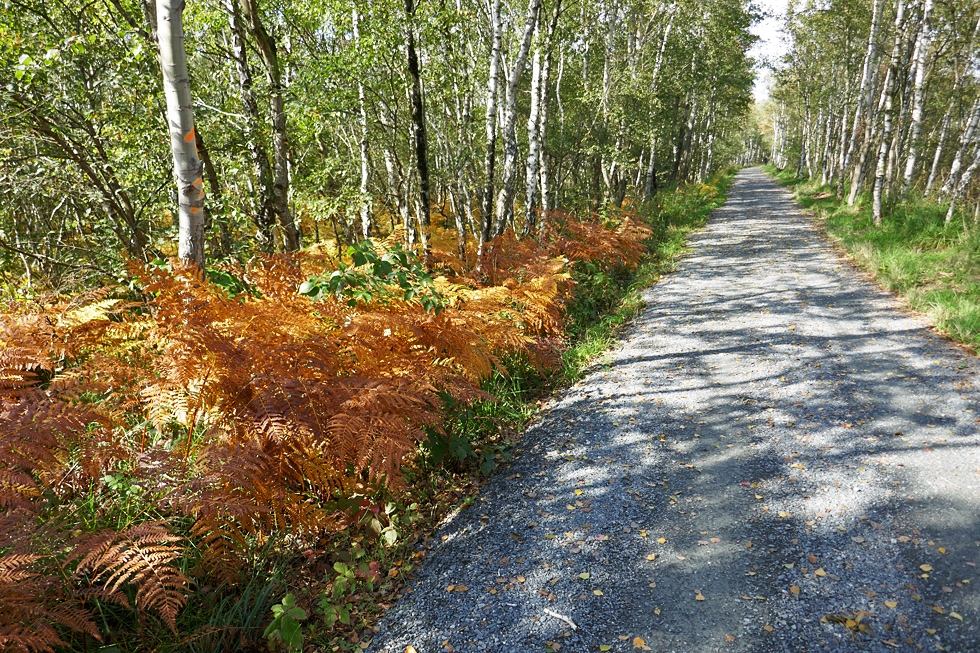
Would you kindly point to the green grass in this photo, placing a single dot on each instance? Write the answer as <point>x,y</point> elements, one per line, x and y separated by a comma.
<point>932,264</point>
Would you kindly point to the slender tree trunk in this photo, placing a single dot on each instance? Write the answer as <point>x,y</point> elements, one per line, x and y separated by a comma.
<point>533,138</point>
<point>865,93</point>
<point>962,184</point>
<point>886,131</point>
<point>966,139</point>
<point>918,97</point>
<point>277,110</point>
<point>486,232</point>
<point>180,122</point>
<point>938,155</point>
<point>419,131</point>
<point>364,153</point>
<point>505,202</point>
<point>264,214</point>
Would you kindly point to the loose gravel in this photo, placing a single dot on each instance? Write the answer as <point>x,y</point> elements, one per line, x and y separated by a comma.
<point>776,447</point>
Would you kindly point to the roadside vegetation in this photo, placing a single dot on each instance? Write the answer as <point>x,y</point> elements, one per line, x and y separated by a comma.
<point>932,263</point>
<point>249,460</point>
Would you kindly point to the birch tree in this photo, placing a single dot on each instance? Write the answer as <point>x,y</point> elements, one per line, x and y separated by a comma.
<point>188,168</point>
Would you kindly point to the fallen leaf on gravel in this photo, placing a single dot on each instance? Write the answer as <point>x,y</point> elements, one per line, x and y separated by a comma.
<point>729,638</point>
<point>758,496</point>
<point>549,537</point>
<point>891,604</point>
<point>789,565</point>
<point>579,492</point>
<point>652,557</point>
<point>640,644</point>
<point>662,540</point>
<point>460,588</point>
<point>699,596</point>
<point>605,647</point>
<point>597,592</point>
<point>956,615</point>
<point>715,540</point>
<point>450,588</point>
<point>784,514</point>
<point>602,538</point>
<point>931,631</point>
<point>656,611</point>
<point>857,539</point>
<point>925,567</point>
<point>812,558</point>
<point>570,506</point>
<point>794,590</point>
<point>820,572</point>
<point>652,585</point>
<point>939,609</point>
<point>941,550</point>
<point>521,579</point>
<point>585,575</point>
<point>768,628</point>
<point>624,638</point>
<point>410,649</point>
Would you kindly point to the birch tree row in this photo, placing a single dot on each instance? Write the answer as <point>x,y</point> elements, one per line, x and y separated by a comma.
<point>349,119</point>
<point>882,97</point>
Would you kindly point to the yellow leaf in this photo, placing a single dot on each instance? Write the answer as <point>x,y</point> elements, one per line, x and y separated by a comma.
<point>820,572</point>
<point>638,642</point>
<point>579,492</point>
<point>795,590</point>
<point>652,557</point>
<point>925,567</point>
<point>549,537</point>
<point>585,575</point>
<point>784,514</point>
<point>938,608</point>
<point>652,585</point>
<point>461,588</point>
<point>450,588</point>
<point>699,596</point>
<point>941,550</point>
<point>605,647</point>
<point>662,540</point>
<point>768,628</point>
<point>931,631</point>
<point>758,496</point>
<point>891,604</point>
<point>410,649</point>
<point>956,615</point>
<point>656,611</point>
<point>597,592</point>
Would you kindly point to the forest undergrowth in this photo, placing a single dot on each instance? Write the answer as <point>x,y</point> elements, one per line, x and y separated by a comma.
<point>931,263</point>
<point>246,459</point>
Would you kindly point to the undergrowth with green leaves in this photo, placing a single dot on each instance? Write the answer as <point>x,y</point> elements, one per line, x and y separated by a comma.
<point>933,264</point>
<point>323,587</point>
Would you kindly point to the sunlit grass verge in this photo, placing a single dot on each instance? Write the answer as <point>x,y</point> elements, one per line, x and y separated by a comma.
<point>932,264</point>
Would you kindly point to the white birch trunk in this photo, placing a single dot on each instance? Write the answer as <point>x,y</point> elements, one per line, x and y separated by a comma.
<point>938,155</point>
<point>886,130</point>
<point>505,201</point>
<point>864,94</point>
<point>966,139</point>
<point>188,168</point>
<point>962,184</point>
<point>918,98</point>
<point>486,231</point>
<point>365,209</point>
<point>533,138</point>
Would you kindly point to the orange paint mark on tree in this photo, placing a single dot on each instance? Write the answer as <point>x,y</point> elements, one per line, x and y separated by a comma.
<point>189,136</point>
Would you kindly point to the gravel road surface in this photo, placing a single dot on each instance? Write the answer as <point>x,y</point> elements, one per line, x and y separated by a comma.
<point>776,447</point>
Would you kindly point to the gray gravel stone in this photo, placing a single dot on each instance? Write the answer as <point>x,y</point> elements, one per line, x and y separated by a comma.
<point>772,423</point>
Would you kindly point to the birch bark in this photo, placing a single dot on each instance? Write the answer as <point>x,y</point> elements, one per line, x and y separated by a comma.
<point>886,130</point>
<point>920,56</point>
<point>180,123</point>
<point>505,201</point>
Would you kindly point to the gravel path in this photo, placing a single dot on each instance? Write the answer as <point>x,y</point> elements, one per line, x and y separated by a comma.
<point>774,443</point>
